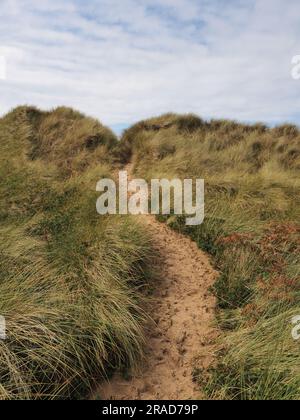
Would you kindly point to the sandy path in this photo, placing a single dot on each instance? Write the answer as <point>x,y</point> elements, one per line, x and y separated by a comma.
<point>182,333</point>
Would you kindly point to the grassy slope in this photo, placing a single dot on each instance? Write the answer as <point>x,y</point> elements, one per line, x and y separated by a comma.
<point>252,229</point>
<point>68,278</point>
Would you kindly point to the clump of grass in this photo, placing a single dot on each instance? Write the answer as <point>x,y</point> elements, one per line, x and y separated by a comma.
<point>258,362</point>
<point>252,229</point>
<point>66,138</point>
<point>70,281</point>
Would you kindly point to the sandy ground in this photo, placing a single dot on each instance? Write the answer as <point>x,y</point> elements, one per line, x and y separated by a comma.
<point>182,334</point>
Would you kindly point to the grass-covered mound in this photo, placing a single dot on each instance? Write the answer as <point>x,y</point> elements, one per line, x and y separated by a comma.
<point>69,278</point>
<point>252,228</point>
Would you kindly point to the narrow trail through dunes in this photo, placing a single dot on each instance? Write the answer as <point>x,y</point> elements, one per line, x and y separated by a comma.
<point>182,334</point>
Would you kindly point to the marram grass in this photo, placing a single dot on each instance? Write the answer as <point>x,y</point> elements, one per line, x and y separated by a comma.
<point>69,279</point>
<point>252,229</point>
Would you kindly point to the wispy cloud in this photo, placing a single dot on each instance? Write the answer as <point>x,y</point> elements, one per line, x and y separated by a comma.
<point>122,60</point>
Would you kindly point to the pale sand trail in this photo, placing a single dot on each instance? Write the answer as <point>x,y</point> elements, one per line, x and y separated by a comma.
<point>182,334</point>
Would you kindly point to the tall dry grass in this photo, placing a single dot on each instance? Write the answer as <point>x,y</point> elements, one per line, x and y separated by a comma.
<point>252,228</point>
<point>70,280</point>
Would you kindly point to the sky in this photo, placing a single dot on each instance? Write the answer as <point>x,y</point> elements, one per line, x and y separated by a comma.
<point>124,60</point>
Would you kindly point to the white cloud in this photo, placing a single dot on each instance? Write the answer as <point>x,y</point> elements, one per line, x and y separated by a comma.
<point>122,60</point>
<point>2,67</point>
